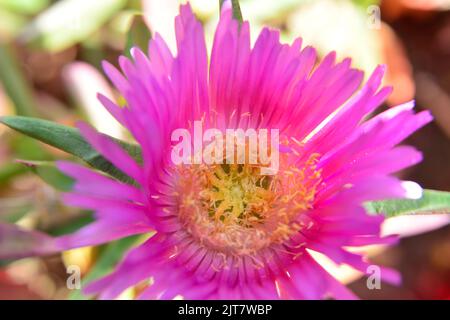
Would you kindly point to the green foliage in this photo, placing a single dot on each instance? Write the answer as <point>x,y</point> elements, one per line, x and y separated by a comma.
<point>70,140</point>
<point>139,35</point>
<point>431,202</point>
<point>72,225</point>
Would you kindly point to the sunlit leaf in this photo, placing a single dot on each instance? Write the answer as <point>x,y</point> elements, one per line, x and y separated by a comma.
<point>431,202</point>
<point>83,82</point>
<point>24,147</point>
<point>17,242</point>
<point>70,140</point>
<point>68,22</point>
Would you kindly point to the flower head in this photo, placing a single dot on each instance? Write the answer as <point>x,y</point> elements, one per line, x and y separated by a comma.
<point>225,230</point>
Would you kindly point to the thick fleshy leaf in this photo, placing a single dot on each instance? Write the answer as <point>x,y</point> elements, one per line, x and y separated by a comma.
<point>70,140</point>
<point>48,172</point>
<point>139,35</point>
<point>109,257</point>
<point>431,202</point>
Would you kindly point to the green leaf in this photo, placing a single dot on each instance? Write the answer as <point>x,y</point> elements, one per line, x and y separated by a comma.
<point>9,171</point>
<point>366,3</point>
<point>14,83</point>
<point>110,255</point>
<point>72,225</point>
<point>24,6</point>
<point>237,14</point>
<point>431,202</point>
<point>268,10</point>
<point>139,35</point>
<point>68,22</point>
<point>70,140</point>
<point>48,172</point>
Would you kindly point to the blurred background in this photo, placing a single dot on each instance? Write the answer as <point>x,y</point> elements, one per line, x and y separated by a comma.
<point>50,55</point>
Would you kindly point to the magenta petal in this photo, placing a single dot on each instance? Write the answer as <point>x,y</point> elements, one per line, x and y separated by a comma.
<point>113,152</point>
<point>334,160</point>
<point>16,242</point>
<point>92,183</point>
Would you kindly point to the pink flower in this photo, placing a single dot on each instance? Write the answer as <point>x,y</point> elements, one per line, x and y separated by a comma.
<point>224,231</point>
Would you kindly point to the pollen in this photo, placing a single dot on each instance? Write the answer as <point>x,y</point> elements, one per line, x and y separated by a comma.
<point>235,210</point>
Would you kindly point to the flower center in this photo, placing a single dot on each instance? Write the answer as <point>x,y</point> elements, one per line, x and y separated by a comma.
<point>233,209</point>
<point>236,194</point>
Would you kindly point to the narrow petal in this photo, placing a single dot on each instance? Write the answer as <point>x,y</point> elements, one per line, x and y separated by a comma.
<point>113,152</point>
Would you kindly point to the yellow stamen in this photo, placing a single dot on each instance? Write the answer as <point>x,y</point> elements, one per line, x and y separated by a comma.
<point>234,210</point>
